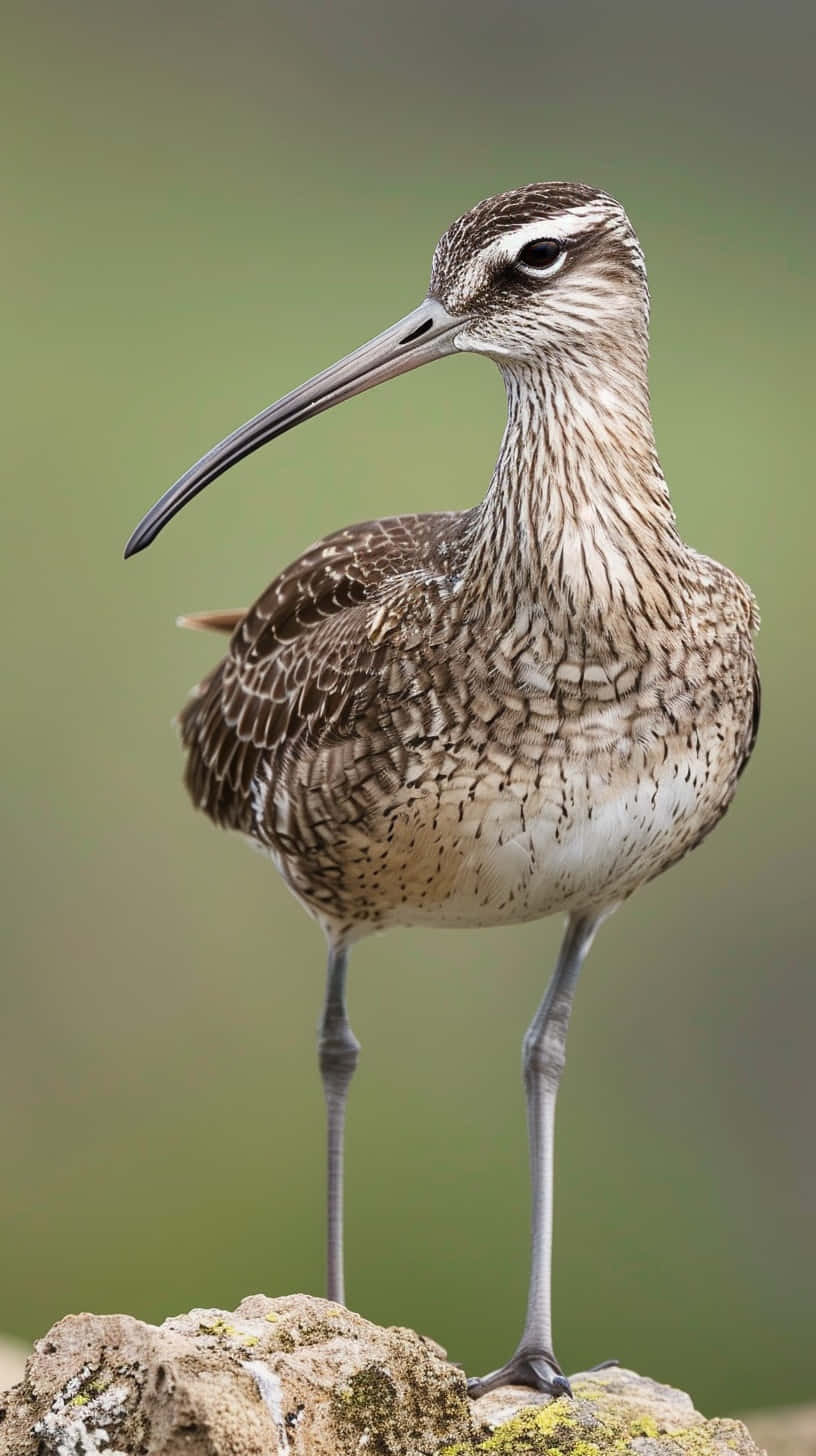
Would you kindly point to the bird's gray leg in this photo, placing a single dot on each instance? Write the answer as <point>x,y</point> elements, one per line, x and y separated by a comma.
<point>543,1056</point>
<point>338,1050</point>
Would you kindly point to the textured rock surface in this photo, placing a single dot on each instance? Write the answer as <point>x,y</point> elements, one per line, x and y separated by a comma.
<point>293,1375</point>
<point>303,1377</point>
<point>614,1411</point>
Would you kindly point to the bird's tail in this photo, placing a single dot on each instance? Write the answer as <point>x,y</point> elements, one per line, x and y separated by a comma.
<point>213,621</point>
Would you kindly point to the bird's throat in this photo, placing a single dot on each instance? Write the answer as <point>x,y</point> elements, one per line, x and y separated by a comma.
<point>578,508</point>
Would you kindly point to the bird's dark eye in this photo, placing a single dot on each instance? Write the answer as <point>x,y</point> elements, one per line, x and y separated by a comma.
<point>541,254</point>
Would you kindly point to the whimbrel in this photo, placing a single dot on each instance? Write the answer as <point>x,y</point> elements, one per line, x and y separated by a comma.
<point>483,717</point>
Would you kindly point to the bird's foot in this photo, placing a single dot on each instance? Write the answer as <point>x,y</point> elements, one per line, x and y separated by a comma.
<point>541,1371</point>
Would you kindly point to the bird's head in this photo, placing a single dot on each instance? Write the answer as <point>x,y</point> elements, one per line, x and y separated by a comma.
<point>553,270</point>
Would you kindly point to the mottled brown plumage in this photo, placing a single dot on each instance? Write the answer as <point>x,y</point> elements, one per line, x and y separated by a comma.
<point>476,718</point>
<point>379,717</point>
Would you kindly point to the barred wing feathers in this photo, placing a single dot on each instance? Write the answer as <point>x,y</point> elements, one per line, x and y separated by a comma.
<point>305,665</point>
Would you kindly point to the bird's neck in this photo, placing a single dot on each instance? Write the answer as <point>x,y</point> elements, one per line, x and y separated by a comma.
<point>578,513</point>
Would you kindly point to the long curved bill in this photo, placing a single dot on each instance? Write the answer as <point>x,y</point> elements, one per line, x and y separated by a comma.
<point>427,333</point>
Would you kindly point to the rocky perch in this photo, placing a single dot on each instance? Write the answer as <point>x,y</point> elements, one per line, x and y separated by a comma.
<point>303,1377</point>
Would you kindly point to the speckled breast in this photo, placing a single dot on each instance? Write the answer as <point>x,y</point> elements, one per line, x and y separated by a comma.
<point>562,789</point>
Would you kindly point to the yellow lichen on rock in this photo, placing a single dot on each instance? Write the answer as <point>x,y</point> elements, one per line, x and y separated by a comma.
<point>613,1413</point>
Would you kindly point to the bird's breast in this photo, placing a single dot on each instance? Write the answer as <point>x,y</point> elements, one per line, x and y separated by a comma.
<point>510,847</point>
<point>488,832</point>
<point>523,780</point>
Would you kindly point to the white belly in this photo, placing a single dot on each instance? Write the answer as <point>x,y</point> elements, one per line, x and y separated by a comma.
<point>588,846</point>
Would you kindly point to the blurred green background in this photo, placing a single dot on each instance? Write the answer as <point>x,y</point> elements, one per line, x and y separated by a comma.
<point>202,206</point>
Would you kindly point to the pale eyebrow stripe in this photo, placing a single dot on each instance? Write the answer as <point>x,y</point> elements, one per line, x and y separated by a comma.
<point>508,246</point>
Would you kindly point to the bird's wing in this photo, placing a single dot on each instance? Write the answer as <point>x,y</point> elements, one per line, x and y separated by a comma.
<point>313,659</point>
<point>753,731</point>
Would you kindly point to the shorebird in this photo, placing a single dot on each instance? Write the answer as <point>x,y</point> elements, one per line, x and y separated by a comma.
<point>489,716</point>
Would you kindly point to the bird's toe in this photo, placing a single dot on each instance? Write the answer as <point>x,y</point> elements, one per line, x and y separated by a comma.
<point>539,1371</point>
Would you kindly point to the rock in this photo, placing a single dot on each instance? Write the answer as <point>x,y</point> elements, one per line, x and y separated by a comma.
<point>304,1377</point>
<point>294,1375</point>
<point>613,1411</point>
